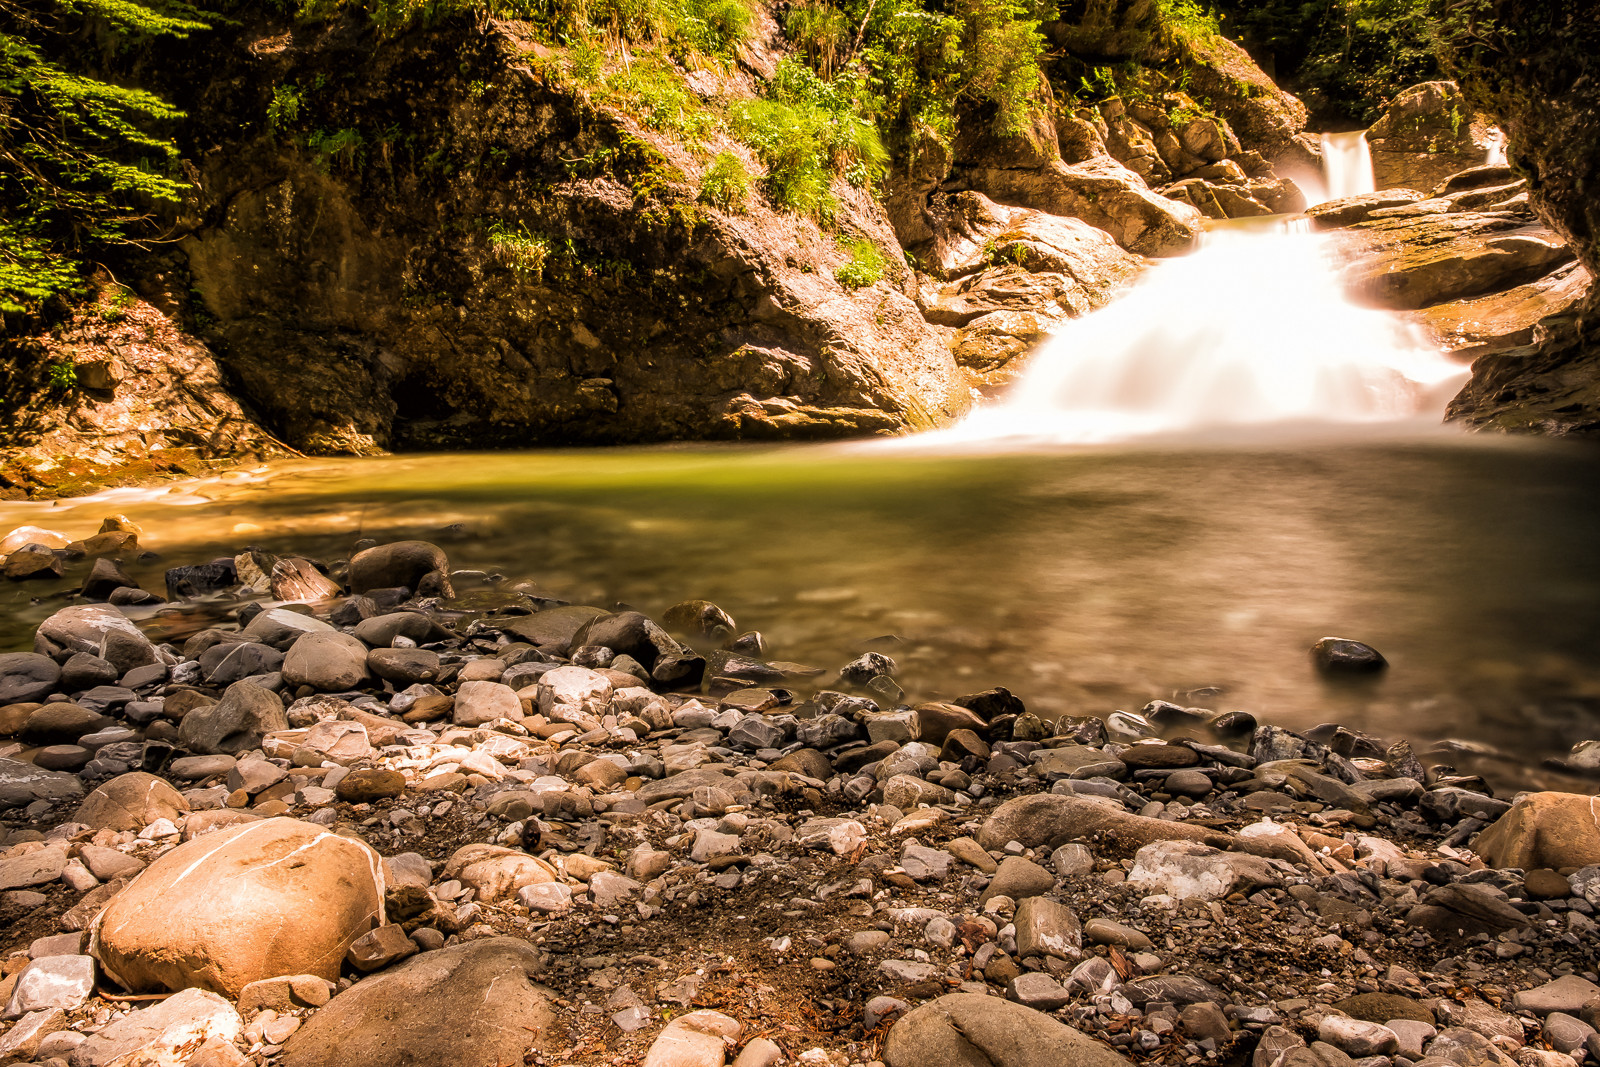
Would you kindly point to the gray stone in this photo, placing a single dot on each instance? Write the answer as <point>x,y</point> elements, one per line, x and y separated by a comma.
<point>1035,989</point>
<point>925,864</point>
<point>26,677</point>
<point>191,1016</point>
<point>24,1040</point>
<point>1568,993</point>
<point>1018,878</point>
<point>482,702</point>
<point>1355,1037</point>
<point>51,982</point>
<point>39,867</point>
<point>23,783</point>
<point>237,723</point>
<point>332,663</point>
<point>1046,928</point>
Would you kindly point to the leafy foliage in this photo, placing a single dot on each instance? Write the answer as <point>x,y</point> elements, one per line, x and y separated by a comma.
<point>726,183</point>
<point>864,267</point>
<point>1346,58</point>
<point>519,248</point>
<point>80,164</point>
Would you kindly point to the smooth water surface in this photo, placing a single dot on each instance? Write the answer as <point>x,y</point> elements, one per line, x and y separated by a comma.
<point>1084,580</point>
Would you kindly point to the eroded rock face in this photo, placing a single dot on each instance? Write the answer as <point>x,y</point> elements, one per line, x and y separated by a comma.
<point>664,320</point>
<point>1428,134</point>
<point>237,905</point>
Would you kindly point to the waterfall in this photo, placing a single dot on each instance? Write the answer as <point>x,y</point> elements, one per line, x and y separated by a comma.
<point>1252,328</point>
<point>1496,154</point>
<point>1347,164</point>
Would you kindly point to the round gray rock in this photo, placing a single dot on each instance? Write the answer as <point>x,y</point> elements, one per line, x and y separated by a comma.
<point>26,677</point>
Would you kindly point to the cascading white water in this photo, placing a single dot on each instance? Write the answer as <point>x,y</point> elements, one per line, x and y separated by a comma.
<point>1496,154</point>
<point>1253,328</point>
<point>1347,164</point>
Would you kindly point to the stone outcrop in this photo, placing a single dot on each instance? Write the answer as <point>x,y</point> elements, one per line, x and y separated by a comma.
<point>368,305</point>
<point>1541,82</point>
<point>1427,134</point>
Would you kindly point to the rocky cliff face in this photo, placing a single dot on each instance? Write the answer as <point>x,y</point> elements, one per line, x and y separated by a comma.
<point>374,301</point>
<point>1536,68</point>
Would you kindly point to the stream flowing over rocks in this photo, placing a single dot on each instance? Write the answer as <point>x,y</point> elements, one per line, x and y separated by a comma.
<point>373,826</point>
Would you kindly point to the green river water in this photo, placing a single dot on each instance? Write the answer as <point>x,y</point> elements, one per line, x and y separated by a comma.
<point>1086,580</point>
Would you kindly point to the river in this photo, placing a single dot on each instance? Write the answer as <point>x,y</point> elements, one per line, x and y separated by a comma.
<point>1085,579</point>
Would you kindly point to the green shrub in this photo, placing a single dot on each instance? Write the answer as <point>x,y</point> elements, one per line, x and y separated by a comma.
<point>523,251</point>
<point>726,183</point>
<point>821,31</point>
<point>284,108</point>
<point>788,141</point>
<point>63,376</point>
<point>865,266</point>
<point>1190,19</point>
<point>343,149</point>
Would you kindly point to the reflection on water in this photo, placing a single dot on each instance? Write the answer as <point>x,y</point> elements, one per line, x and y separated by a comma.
<point>1084,580</point>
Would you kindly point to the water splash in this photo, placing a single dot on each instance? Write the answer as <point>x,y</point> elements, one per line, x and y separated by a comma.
<point>1495,156</point>
<point>1347,164</point>
<point>1254,328</point>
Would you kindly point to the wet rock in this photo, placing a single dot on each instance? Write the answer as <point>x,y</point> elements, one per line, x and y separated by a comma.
<point>187,1020</point>
<point>26,677</point>
<point>103,632</point>
<point>1051,819</point>
<point>422,568</point>
<point>972,1030</point>
<point>23,783</point>
<point>230,908</point>
<point>31,563</point>
<point>700,618</point>
<point>1543,830</point>
<point>865,667</point>
<point>298,580</point>
<point>104,579</point>
<point>131,802</point>
<point>474,1004</point>
<point>237,723</point>
<point>1340,655</point>
<point>329,662</point>
<point>233,661</point>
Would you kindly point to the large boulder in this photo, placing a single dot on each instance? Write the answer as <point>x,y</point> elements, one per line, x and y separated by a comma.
<point>1051,819</point>
<point>99,631</point>
<point>1428,133</point>
<point>240,904</point>
<point>473,1004</point>
<point>26,677</point>
<point>973,1030</point>
<point>1410,260</point>
<point>415,565</point>
<point>1103,193</point>
<point>237,723</point>
<point>1544,830</point>
<point>130,802</point>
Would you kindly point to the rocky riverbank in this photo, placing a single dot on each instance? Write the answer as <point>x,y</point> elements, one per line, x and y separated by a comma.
<point>383,812</point>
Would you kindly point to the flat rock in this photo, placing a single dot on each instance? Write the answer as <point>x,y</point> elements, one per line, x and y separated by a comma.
<point>189,1018</point>
<point>1567,994</point>
<point>472,1004</point>
<point>973,1030</point>
<point>1051,819</point>
<point>1189,870</point>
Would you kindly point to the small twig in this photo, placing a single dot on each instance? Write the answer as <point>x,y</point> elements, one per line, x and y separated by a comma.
<point>136,996</point>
